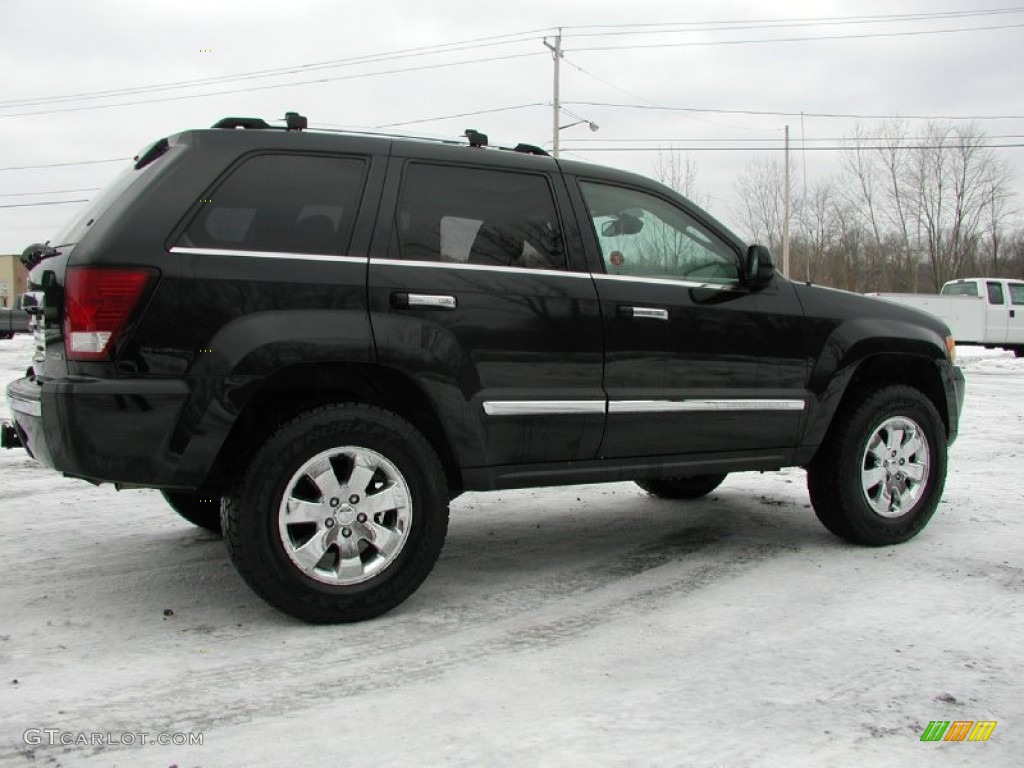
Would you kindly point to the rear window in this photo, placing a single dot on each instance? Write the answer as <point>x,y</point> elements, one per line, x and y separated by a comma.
<point>75,229</point>
<point>282,203</point>
<point>960,289</point>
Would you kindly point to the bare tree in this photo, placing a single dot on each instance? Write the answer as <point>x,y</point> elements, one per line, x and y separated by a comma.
<point>760,190</point>
<point>678,170</point>
<point>927,197</point>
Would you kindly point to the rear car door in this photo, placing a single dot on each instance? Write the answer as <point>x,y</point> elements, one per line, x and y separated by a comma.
<point>473,293</point>
<point>695,363</point>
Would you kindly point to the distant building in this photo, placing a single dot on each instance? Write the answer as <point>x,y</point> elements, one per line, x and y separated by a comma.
<point>13,279</point>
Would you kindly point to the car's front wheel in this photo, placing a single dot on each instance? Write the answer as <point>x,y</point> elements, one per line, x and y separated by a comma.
<point>340,516</point>
<point>691,487</point>
<point>879,476</point>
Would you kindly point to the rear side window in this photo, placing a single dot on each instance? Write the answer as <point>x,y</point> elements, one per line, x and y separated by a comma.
<point>995,293</point>
<point>282,204</point>
<point>477,216</point>
<point>960,289</point>
<point>1016,293</point>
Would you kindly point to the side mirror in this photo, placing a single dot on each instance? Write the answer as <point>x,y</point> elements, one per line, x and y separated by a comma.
<point>759,268</point>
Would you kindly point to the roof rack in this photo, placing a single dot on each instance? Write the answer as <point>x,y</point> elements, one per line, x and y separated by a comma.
<point>293,121</point>
<point>249,123</point>
<point>296,122</point>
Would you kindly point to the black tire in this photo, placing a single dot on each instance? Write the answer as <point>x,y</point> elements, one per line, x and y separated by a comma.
<point>1018,351</point>
<point>202,511</point>
<point>692,487</point>
<point>309,468</point>
<point>843,487</point>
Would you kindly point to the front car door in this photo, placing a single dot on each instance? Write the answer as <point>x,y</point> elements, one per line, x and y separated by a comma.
<point>695,362</point>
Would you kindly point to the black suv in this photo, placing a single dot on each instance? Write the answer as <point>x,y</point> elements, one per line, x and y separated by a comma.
<point>313,341</point>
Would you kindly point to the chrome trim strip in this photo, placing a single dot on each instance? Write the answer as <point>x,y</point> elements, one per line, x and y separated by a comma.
<point>270,255</point>
<point>431,301</point>
<point>650,312</point>
<point>477,267</point>
<point>668,281</point>
<point>28,407</point>
<point>669,406</point>
<point>542,407</point>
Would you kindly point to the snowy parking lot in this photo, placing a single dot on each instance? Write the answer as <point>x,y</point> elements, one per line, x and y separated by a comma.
<point>588,625</point>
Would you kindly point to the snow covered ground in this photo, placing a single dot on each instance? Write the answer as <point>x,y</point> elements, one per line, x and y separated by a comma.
<point>589,625</point>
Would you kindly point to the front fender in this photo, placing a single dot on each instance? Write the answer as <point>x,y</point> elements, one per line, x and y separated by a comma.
<point>890,349</point>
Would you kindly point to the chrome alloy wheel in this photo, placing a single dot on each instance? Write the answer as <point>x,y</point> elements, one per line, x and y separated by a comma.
<point>345,516</point>
<point>895,466</point>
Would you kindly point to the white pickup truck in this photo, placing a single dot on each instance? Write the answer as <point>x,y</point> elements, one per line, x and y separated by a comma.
<point>986,311</point>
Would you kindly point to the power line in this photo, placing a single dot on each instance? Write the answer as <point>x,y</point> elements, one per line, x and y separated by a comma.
<point>482,42</point>
<point>49,192</point>
<point>463,114</point>
<point>65,165</point>
<point>705,43</point>
<point>771,113</point>
<point>836,148</point>
<point>505,39</point>
<point>51,202</point>
<point>838,19</point>
<point>776,139</point>
<point>421,68</point>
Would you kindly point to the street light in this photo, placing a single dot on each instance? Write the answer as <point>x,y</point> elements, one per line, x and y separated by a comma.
<point>578,121</point>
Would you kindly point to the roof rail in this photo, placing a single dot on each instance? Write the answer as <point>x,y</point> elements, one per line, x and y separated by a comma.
<point>293,121</point>
<point>476,139</point>
<point>530,149</point>
<point>296,122</point>
<point>249,123</point>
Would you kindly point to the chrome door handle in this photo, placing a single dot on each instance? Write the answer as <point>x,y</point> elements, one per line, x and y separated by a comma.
<point>650,313</point>
<point>422,301</point>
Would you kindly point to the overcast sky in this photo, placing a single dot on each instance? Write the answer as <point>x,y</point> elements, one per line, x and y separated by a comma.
<point>645,71</point>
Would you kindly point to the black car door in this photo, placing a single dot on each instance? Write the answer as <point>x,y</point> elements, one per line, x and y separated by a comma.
<point>472,293</point>
<point>695,362</point>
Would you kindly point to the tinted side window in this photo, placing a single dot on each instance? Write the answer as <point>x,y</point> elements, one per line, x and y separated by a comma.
<point>1016,293</point>
<point>477,216</point>
<point>642,235</point>
<point>995,293</point>
<point>282,203</point>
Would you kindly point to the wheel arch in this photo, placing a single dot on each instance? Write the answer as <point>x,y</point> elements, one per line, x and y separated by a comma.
<point>297,388</point>
<point>850,383</point>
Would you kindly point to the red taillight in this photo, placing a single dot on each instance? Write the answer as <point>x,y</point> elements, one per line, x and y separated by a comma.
<point>97,304</point>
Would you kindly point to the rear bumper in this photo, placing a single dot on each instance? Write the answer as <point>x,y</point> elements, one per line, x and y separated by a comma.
<point>113,431</point>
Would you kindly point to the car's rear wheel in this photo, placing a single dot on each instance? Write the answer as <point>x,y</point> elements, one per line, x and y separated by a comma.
<point>692,487</point>
<point>341,515</point>
<point>202,511</point>
<point>879,476</point>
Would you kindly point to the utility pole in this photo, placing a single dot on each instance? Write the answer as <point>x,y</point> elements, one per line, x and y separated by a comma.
<point>785,212</point>
<point>556,53</point>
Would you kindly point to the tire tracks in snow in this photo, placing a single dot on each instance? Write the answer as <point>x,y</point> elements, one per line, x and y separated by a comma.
<point>391,654</point>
